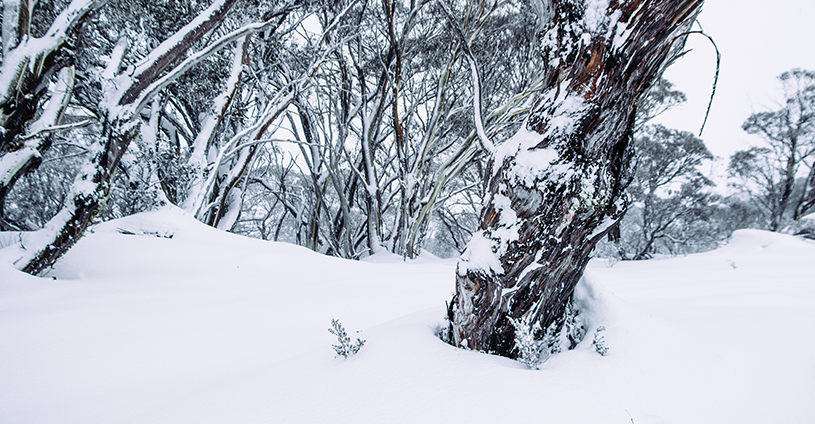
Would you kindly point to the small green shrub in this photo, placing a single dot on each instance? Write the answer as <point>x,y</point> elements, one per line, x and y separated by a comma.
<point>345,348</point>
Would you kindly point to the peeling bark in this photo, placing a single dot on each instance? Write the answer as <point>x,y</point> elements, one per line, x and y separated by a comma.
<point>556,187</point>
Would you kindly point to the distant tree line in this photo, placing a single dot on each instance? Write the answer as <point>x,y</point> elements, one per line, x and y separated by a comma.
<point>349,127</point>
<point>675,208</point>
<point>777,178</point>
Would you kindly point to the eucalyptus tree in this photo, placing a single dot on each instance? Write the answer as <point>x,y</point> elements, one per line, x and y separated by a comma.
<point>768,172</point>
<point>37,69</point>
<point>386,132</point>
<point>269,72</point>
<point>556,187</point>
<point>670,196</point>
<point>125,92</point>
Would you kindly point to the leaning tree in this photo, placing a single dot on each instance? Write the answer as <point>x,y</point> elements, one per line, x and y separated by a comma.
<point>556,187</point>
<point>124,92</point>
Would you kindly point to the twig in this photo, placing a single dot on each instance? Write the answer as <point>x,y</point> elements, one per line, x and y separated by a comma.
<point>715,77</point>
<point>56,128</point>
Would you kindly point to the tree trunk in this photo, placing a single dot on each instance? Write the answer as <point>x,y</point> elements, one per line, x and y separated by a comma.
<point>807,199</point>
<point>556,187</point>
<point>789,181</point>
<point>92,187</point>
<point>89,193</point>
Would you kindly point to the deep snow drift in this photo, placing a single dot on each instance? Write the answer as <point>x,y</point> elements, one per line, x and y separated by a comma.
<point>209,327</point>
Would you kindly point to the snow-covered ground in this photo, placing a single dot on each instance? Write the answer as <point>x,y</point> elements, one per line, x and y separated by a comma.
<point>209,327</point>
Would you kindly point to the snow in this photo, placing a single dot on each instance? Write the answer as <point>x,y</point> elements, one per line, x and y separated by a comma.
<point>13,65</point>
<point>181,323</point>
<point>30,51</point>
<point>11,162</point>
<point>59,96</point>
<point>481,256</point>
<point>595,15</point>
<point>533,164</point>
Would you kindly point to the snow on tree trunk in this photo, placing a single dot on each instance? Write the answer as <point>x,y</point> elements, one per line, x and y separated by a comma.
<point>556,187</point>
<point>90,190</point>
<point>203,145</point>
<point>28,66</point>
<point>125,95</point>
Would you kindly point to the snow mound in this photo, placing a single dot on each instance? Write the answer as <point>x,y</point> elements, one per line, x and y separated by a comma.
<point>209,327</point>
<point>750,239</point>
<point>804,227</point>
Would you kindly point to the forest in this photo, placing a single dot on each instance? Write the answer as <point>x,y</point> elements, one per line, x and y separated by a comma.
<point>517,141</point>
<point>344,127</point>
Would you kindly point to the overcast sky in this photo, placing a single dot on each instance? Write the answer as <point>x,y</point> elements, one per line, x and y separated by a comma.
<point>758,41</point>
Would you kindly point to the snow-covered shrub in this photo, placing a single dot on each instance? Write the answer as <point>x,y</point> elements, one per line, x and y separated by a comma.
<point>551,340</point>
<point>804,227</point>
<point>529,349</point>
<point>573,326</point>
<point>599,341</point>
<point>533,352</point>
<point>442,331</point>
<point>345,348</point>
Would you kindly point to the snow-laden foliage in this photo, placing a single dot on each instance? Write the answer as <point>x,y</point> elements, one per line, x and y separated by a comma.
<point>529,349</point>
<point>121,91</point>
<point>388,157</point>
<point>345,348</point>
<point>573,328</point>
<point>388,153</point>
<point>599,341</point>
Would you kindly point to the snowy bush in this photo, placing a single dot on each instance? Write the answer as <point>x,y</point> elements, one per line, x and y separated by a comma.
<point>573,326</point>
<point>599,341</point>
<point>533,352</point>
<point>345,348</point>
<point>551,340</point>
<point>442,331</point>
<point>804,227</point>
<point>529,350</point>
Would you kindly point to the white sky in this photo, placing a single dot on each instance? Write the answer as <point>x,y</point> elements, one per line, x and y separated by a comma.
<point>758,41</point>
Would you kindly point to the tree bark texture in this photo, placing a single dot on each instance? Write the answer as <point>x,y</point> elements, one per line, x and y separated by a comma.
<point>88,196</point>
<point>92,187</point>
<point>556,187</point>
<point>29,64</point>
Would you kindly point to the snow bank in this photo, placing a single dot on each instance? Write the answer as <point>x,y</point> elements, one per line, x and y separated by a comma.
<point>158,318</point>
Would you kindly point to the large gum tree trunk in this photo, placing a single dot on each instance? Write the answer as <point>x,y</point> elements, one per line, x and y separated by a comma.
<point>556,187</point>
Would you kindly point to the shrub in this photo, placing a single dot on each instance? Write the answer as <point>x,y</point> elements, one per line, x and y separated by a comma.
<point>529,349</point>
<point>533,352</point>
<point>345,348</point>
<point>573,326</point>
<point>551,340</point>
<point>599,341</point>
